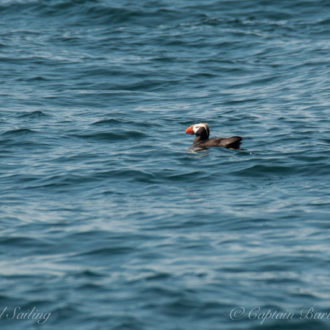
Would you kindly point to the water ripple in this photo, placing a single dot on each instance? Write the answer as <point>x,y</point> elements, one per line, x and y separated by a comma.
<point>109,217</point>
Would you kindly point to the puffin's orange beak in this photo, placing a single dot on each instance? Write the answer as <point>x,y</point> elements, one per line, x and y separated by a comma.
<point>189,131</point>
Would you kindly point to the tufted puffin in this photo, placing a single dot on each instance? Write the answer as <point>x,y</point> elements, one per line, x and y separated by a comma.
<point>202,140</point>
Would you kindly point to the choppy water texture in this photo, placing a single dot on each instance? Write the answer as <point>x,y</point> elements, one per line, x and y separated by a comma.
<point>107,222</point>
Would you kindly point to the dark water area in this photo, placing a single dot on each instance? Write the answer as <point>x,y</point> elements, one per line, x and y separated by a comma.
<point>108,221</point>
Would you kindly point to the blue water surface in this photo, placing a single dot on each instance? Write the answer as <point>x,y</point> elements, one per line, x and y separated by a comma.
<point>108,221</point>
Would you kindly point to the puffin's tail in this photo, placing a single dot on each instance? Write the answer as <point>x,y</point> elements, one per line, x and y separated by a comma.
<point>233,142</point>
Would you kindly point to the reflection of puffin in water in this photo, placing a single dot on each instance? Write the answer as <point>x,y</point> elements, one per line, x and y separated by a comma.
<point>202,140</point>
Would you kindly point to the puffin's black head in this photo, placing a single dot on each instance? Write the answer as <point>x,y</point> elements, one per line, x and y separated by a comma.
<point>201,130</point>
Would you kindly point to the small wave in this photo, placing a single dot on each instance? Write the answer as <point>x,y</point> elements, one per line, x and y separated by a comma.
<point>133,174</point>
<point>19,132</point>
<point>22,241</point>
<point>159,276</point>
<point>89,273</point>
<point>136,123</point>
<point>74,181</point>
<point>110,136</point>
<point>36,78</point>
<point>106,122</point>
<point>186,176</point>
<point>12,142</point>
<point>62,181</point>
<point>260,170</point>
<point>255,82</point>
<point>146,85</point>
<point>14,6</point>
<point>108,251</point>
<point>33,114</point>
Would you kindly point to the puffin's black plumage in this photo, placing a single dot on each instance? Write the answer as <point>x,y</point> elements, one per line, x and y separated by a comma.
<point>202,132</point>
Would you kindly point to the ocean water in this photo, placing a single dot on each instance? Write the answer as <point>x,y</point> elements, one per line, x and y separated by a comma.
<point>108,221</point>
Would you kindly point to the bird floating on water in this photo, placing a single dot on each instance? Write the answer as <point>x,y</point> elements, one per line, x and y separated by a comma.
<point>202,132</point>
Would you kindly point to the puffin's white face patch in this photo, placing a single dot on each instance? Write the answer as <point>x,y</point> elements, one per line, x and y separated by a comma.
<point>198,126</point>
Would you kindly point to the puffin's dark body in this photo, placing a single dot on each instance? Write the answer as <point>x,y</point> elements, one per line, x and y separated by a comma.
<point>202,140</point>
<point>233,142</point>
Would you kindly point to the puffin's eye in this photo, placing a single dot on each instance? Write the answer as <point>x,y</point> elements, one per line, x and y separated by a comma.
<point>196,128</point>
